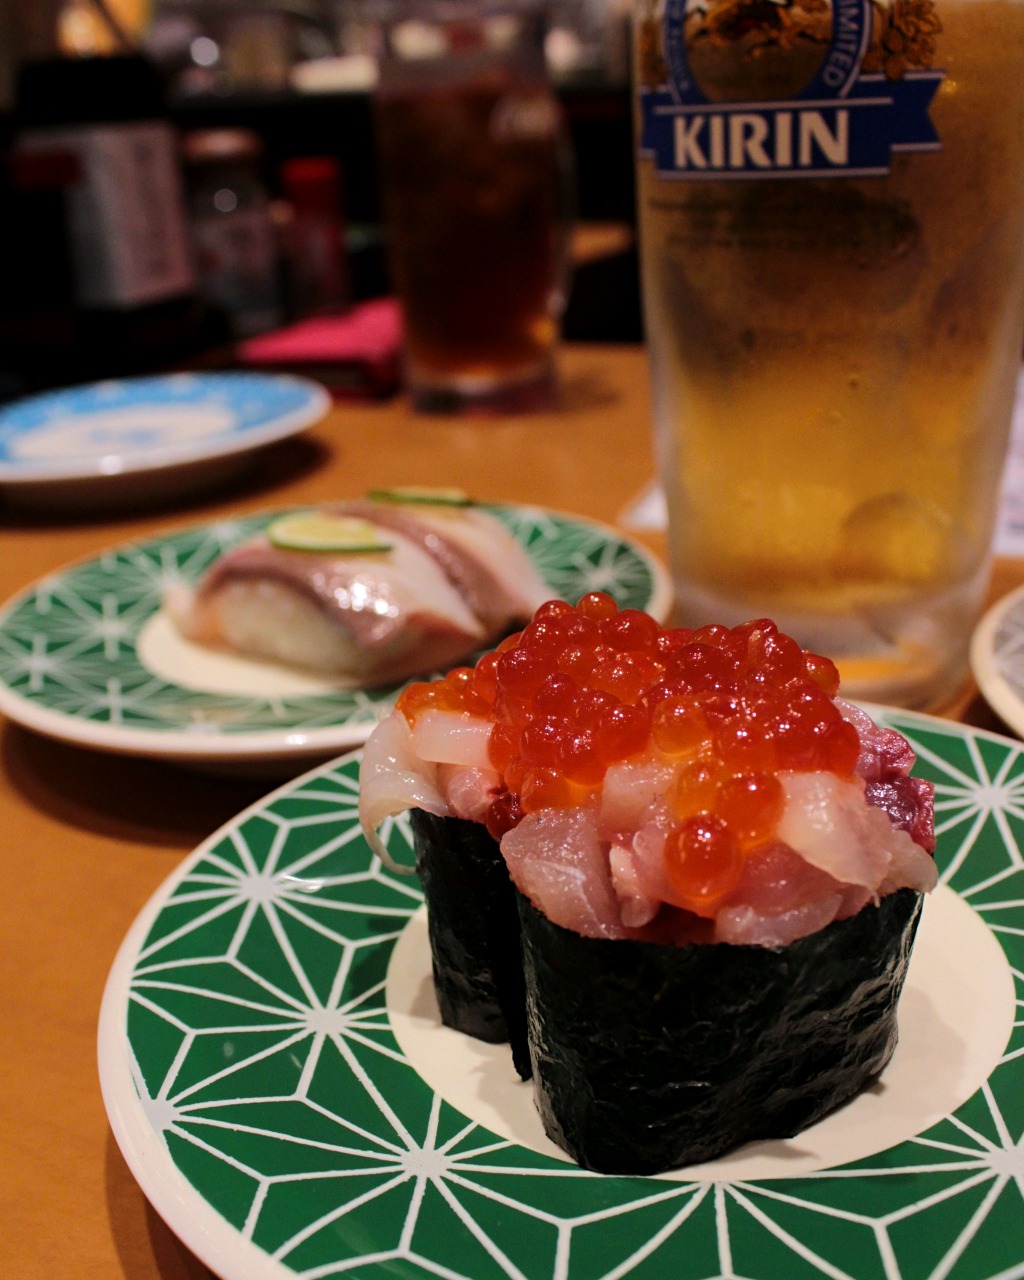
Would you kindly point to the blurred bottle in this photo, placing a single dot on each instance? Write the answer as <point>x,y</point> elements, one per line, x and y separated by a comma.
<point>233,229</point>
<point>588,41</point>
<point>317,261</point>
<point>38,319</point>
<point>257,47</point>
<point>133,280</point>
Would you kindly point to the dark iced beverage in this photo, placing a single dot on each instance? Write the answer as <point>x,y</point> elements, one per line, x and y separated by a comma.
<point>471,156</point>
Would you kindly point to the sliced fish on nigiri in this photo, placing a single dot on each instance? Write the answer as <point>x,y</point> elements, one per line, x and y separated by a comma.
<point>489,568</point>
<point>377,603</point>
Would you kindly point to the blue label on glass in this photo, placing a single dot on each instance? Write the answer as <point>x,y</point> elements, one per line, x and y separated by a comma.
<point>847,120</point>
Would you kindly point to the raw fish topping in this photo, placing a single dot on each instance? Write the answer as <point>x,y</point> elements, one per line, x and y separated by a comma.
<point>584,688</point>
<point>368,591</point>
<point>672,783</point>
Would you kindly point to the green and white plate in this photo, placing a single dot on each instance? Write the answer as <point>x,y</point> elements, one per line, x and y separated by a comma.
<point>277,1079</point>
<point>89,656</point>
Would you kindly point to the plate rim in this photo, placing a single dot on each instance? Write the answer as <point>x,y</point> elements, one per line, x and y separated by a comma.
<point>263,744</point>
<point>163,1184</point>
<point>213,1239</point>
<point>171,457</point>
<point>993,685</point>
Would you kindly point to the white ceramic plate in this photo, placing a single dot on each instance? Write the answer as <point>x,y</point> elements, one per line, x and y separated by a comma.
<point>275,1074</point>
<point>88,656</point>
<point>997,659</point>
<point>138,438</point>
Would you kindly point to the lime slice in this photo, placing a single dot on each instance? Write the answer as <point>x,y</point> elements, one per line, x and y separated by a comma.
<point>423,495</point>
<point>316,531</point>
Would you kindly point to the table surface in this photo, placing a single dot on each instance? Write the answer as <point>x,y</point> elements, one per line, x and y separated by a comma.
<point>94,835</point>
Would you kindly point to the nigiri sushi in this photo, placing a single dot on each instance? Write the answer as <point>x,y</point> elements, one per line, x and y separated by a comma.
<point>373,591</point>
<point>717,865</point>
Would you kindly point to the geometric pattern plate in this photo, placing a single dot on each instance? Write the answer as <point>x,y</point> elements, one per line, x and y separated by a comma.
<point>256,1086</point>
<point>71,665</point>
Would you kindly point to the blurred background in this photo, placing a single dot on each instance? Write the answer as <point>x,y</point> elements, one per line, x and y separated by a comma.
<point>231,143</point>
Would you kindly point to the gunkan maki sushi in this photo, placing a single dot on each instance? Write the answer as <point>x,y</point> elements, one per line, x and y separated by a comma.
<point>716,864</point>
<point>473,918</point>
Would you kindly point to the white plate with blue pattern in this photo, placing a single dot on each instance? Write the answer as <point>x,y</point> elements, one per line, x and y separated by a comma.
<point>139,438</point>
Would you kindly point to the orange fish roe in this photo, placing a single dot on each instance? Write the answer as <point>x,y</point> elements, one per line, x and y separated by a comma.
<point>583,688</point>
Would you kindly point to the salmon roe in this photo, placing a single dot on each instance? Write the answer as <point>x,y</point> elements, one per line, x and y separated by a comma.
<point>583,688</point>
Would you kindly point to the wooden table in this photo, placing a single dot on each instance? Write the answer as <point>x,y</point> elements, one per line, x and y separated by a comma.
<point>91,836</point>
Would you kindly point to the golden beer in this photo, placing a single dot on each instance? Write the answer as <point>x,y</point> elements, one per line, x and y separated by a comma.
<point>835,356</point>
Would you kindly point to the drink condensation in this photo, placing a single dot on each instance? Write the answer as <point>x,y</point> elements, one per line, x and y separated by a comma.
<point>834,314</point>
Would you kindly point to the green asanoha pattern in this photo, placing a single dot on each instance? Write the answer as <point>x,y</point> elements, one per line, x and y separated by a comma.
<point>69,645</point>
<point>263,1057</point>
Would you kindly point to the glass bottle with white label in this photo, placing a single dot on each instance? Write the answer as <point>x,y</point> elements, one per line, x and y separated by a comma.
<point>133,275</point>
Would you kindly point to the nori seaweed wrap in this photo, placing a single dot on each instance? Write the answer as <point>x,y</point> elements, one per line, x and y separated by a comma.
<point>702,867</point>
<point>474,931</point>
<point>648,1057</point>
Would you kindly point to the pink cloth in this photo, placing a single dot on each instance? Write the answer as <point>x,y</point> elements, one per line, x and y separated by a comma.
<point>369,331</point>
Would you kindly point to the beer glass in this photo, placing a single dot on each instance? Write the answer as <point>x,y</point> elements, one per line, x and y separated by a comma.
<point>473,165</point>
<point>831,199</point>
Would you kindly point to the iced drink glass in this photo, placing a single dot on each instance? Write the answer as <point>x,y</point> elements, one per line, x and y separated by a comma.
<point>473,163</point>
<point>831,199</point>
